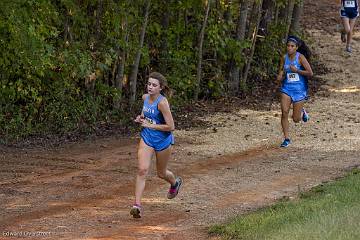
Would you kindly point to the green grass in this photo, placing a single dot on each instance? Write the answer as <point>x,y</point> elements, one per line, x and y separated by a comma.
<point>330,211</point>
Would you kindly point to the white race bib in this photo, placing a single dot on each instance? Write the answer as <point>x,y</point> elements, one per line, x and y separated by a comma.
<point>349,4</point>
<point>293,77</point>
<point>150,120</point>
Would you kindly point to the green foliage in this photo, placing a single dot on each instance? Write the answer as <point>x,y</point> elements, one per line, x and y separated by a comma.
<point>42,78</point>
<point>59,59</point>
<point>268,53</point>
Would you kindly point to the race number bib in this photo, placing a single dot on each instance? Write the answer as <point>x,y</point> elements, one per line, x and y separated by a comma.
<point>349,4</point>
<point>150,120</point>
<point>293,77</point>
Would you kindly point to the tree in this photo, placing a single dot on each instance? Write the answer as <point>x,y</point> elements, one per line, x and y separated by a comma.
<point>290,9</point>
<point>285,15</point>
<point>268,8</point>
<point>119,66</point>
<point>165,22</point>
<point>135,67</point>
<point>240,36</point>
<point>200,52</point>
<point>295,23</point>
<point>257,18</point>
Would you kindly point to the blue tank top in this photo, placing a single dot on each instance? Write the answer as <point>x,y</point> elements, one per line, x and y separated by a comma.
<point>294,81</point>
<point>349,5</point>
<point>153,115</point>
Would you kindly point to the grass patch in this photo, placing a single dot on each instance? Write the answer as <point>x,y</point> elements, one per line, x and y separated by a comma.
<point>330,211</point>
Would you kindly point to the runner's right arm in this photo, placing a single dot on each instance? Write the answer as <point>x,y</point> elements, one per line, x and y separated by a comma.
<point>280,75</point>
<point>140,118</point>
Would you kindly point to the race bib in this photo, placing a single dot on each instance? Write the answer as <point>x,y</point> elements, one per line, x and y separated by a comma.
<point>349,4</point>
<point>150,120</point>
<point>293,77</point>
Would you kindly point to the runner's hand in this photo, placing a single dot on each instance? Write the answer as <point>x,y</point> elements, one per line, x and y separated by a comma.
<point>145,123</point>
<point>293,68</point>
<point>139,119</point>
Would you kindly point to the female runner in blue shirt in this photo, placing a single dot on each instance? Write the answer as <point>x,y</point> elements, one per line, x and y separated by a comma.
<point>294,71</point>
<point>156,138</point>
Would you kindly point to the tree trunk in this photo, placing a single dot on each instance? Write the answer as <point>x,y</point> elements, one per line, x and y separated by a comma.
<point>227,13</point>
<point>135,67</point>
<point>118,73</point>
<point>67,32</point>
<point>276,14</point>
<point>200,47</point>
<point>282,12</point>
<point>289,15</point>
<point>295,23</point>
<point>267,16</point>
<point>243,14</point>
<point>285,16</point>
<point>99,11</point>
<point>119,78</point>
<point>255,32</point>
<point>253,19</point>
<point>234,74</point>
<point>164,44</point>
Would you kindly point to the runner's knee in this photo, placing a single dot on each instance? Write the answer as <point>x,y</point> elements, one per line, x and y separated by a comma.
<point>142,172</point>
<point>284,115</point>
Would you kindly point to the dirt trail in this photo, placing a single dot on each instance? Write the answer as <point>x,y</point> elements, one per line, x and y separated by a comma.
<point>84,191</point>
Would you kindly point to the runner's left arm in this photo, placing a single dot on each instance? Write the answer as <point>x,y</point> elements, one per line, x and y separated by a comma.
<point>308,72</point>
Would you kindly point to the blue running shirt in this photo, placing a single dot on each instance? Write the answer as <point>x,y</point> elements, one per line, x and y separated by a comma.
<point>153,115</point>
<point>294,81</point>
<point>294,85</point>
<point>349,5</point>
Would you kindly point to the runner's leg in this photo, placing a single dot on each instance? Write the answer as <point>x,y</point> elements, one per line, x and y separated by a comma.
<point>350,33</point>
<point>145,154</point>
<point>162,159</point>
<point>297,111</point>
<point>285,108</point>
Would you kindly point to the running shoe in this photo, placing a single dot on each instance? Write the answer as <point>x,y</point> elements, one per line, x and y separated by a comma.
<point>305,115</point>
<point>285,143</point>
<point>136,211</point>
<point>343,36</point>
<point>174,190</point>
<point>348,49</point>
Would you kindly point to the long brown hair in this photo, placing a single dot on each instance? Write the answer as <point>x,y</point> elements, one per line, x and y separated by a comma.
<point>166,91</point>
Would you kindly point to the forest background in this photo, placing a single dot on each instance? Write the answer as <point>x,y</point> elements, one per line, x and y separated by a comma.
<point>70,66</point>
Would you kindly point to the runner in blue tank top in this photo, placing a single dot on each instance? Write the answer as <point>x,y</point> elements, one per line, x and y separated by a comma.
<point>159,140</point>
<point>349,11</point>
<point>294,71</point>
<point>156,138</point>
